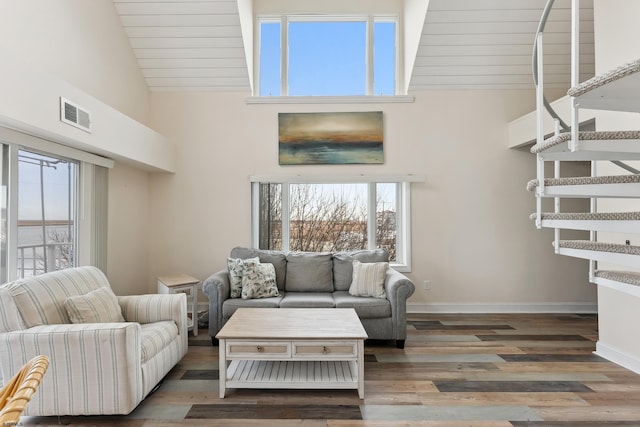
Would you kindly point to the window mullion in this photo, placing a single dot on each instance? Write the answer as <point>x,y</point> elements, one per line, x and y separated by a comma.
<point>371,216</point>
<point>12,215</point>
<point>286,215</point>
<point>284,56</point>
<point>369,55</point>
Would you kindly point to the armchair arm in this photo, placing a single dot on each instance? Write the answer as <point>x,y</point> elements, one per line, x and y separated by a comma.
<point>94,367</point>
<point>218,289</point>
<point>155,308</point>
<point>399,288</point>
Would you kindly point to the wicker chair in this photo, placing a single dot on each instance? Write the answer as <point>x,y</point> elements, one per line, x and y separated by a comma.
<point>17,392</point>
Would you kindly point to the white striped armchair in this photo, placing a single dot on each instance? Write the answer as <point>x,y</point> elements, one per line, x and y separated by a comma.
<point>95,368</point>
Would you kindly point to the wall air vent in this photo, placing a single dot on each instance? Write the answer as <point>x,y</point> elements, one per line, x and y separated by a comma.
<point>74,115</point>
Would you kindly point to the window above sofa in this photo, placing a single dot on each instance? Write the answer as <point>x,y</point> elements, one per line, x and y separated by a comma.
<point>316,215</point>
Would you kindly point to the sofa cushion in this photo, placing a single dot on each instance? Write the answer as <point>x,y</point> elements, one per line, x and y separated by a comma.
<point>366,308</point>
<point>308,300</point>
<point>231,305</point>
<point>235,267</point>
<point>40,299</point>
<point>277,258</point>
<point>343,265</point>
<point>259,280</point>
<point>368,279</point>
<point>156,336</point>
<point>98,306</point>
<point>309,272</point>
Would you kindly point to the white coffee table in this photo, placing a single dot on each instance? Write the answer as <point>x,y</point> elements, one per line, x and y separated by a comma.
<point>292,348</point>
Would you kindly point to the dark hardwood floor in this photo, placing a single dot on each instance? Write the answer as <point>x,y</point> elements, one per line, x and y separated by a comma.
<point>494,370</point>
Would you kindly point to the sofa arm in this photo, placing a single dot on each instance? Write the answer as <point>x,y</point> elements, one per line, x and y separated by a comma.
<point>399,288</point>
<point>94,368</point>
<point>218,289</point>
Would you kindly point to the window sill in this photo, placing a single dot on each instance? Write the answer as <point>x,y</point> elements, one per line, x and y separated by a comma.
<point>330,99</point>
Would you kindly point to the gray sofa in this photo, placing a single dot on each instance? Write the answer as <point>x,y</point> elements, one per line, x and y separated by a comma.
<point>313,279</point>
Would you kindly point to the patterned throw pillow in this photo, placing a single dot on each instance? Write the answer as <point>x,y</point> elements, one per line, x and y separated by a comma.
<point>236,270</point>
<point>259,281</point>
<point>98,306</point>
<point>368,279</point>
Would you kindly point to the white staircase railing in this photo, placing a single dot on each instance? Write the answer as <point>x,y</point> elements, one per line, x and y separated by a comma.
<point>574,145</point>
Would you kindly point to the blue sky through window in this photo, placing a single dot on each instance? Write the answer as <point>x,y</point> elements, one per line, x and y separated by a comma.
<point>327,58</point>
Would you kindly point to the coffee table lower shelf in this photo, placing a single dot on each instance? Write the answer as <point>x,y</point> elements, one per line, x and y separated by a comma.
<point>292,374</point>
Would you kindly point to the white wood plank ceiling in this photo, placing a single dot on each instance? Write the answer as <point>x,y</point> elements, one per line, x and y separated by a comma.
<point>188,44</point>
<point>475,44</point>
<point>465,44</point>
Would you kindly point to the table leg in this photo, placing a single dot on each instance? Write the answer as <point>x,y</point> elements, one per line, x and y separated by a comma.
<point>361,369</point>
<point>222,367</point>
<point>194,308</point>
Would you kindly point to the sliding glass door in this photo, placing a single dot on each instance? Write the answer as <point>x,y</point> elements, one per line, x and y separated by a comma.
<point>46,216</point>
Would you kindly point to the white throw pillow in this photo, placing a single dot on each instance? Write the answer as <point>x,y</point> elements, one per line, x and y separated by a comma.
<point>98,306</point>
<point>259,281</point>
<point>235,266</point>
<point>368,279</point>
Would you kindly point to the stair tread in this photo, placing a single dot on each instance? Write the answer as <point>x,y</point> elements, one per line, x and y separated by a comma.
<point>588,216</point>
<point>586,136</point>
<point>589,245</point>
<point>629,277</point>
<point>585,180</point>
<point>601,80</point>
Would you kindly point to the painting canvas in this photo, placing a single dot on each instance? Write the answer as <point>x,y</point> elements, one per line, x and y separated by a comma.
<point>330,138</point>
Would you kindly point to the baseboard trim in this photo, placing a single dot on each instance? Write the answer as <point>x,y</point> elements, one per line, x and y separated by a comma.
<point>618,357</point>
<point>568,307</point>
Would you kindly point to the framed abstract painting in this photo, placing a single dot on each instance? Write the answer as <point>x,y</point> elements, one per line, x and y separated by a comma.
<point>330,138</point>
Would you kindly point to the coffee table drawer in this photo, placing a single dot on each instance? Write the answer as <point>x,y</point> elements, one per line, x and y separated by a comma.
<point>259,350</point>
<point>325,350</point>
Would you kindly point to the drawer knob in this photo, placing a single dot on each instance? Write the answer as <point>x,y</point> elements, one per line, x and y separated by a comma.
<point>260,349</point>
<point>325,350</point>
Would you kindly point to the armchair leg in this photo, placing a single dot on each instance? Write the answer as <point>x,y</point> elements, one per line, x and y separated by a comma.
<point>400,344</point>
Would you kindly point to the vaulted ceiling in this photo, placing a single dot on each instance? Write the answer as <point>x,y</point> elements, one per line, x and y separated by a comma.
<point>464,44</point>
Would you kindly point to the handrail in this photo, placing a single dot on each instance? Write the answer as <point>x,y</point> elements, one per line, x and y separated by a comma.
<point>541,25</point>
<point>563,125</point>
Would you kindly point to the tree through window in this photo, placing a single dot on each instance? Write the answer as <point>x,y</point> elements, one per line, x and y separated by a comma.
<point>328,217</point>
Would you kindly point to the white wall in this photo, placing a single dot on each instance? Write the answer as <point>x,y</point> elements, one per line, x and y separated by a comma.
<point>616,34</point>
<point>471,233</point>
<point>79,47</point>
<point>80,41</point>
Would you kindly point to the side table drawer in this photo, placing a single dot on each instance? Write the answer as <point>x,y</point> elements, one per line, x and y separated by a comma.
<point>327,350</point>
<point>259,350</point>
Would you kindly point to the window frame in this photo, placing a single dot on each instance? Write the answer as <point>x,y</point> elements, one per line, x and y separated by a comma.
<point>403,209</point>
<point>370,21</point>
<point>90,234</point>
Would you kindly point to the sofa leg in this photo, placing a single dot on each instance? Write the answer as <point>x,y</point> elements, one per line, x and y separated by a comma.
<point>400,344</point>
<point>214,341</point>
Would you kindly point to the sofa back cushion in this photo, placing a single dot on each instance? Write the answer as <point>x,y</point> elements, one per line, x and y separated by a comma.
<point>309,272</point>
<point>40,299</point>
<point>277,258</point>
<point>343,265</point>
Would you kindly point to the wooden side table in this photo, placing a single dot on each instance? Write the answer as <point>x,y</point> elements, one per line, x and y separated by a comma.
<point>176,283</point>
